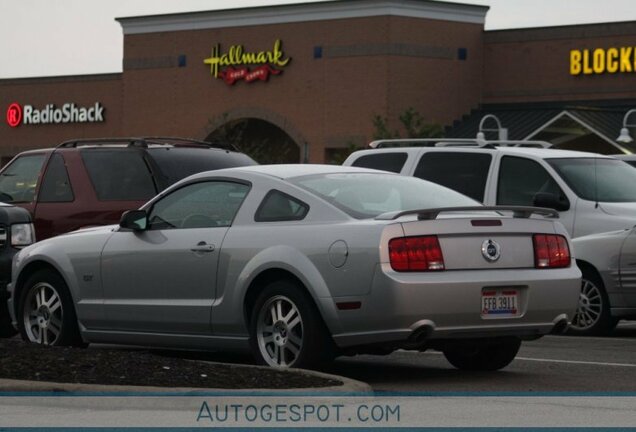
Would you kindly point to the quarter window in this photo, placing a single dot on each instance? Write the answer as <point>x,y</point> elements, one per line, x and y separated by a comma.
<point>56,186</point>
<point>119,175</point>
<point>520,179</point>
<point>278,206</point>
<point>18,181</point>
<point>199,205</point>
<point>464,172</point>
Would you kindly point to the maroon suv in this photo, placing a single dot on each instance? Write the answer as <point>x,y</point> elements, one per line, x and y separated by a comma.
<point>90,182</point>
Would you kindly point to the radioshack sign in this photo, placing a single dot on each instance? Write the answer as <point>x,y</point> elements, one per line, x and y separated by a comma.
<point>51,114</point>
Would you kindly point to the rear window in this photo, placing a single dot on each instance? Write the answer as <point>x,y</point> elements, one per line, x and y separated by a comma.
<point>464,172</point>
<point>367,195</point>
<point>392,162</point>
<point>176,163</point>
<point>119,175</point>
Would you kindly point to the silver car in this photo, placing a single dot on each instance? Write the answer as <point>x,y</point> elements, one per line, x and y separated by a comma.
<point>301,263</point>
<point>608,288</point>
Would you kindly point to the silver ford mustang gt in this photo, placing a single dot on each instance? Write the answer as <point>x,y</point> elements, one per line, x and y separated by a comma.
<point>301,263</point>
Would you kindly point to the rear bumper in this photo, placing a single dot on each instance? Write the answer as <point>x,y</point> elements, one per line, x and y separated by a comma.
<point>408,307</point>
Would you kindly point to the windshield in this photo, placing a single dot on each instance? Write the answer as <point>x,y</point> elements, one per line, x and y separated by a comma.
<point>18,180</point>
<point>367,195</point>
<point>615,180</point>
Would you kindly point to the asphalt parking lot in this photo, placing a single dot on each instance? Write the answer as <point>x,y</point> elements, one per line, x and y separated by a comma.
<point>550,364</point>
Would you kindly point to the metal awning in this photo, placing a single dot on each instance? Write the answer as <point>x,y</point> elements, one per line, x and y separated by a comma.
<point>581,127</point>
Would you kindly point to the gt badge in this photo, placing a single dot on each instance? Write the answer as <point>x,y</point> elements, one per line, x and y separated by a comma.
<point>491,250</point>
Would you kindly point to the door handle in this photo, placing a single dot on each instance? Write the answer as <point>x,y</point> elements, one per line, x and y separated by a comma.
<point>203,247</point>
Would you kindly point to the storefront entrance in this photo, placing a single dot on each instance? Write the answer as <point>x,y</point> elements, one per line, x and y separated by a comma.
<point>265,142</point>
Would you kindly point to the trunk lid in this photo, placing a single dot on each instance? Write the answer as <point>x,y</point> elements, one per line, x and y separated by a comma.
<point>483,243</point>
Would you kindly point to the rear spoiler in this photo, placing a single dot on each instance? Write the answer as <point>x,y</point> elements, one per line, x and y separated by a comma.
<point>430,214</point>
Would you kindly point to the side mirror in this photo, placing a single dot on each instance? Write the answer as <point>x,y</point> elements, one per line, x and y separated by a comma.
<point>136,220</point>
<point>552,201</point>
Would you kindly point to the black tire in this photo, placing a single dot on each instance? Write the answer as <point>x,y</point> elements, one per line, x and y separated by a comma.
<point>317,346</point>
<point>592,316</point>
<point>483,356</point>
<point>65,321</point>
<point>6,327</point>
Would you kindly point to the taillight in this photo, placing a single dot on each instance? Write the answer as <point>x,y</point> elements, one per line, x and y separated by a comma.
<point>421,253</point>
<point>551,251</point>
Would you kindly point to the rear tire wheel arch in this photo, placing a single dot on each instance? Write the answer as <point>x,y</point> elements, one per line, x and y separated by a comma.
<point>316,346</point>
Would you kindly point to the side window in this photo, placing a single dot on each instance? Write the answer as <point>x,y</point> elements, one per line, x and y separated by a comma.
<point>18,180</point>
<point>56,186</point>
<point>199,205</point>
<point>392,162</point>
<point>278,206</point>
<point>464,172</point>
<point>520,179</point>
<point>119,175</point>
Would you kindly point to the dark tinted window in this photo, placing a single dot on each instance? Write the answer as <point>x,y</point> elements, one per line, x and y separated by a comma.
<point>119,175</point>
<point>520,179</point>
<point>176,163</point>
<point>598,179</point>
<point>392,162</point>
<point>19,180</point>
<point>464,172</point>
<point>56,186</point>
<point>278,206</point>
<point>199,205</point>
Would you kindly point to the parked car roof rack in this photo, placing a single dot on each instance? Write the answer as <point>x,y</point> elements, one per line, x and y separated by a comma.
<point>190,141</point>
<point>455,142</point>
<point>144,141</point>
<point>417,142</point>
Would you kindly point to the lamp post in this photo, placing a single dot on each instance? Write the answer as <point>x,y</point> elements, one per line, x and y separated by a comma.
<point>501,131</point>
<point>625,137</point>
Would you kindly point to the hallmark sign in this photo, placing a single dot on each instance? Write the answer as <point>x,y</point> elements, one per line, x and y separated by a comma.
<point>238,64</point>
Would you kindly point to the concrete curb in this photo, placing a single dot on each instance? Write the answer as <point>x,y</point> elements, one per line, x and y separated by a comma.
<point>22,386</point>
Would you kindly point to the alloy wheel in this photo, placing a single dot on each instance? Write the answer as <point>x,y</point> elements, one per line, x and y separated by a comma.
<point>279,332</point>
<point>43,314</point>
<point>590,306</point>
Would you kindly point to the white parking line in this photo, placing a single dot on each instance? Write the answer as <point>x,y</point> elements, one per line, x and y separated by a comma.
<point>558,361</point>
<point>576,362</point>
<point>601,338</point>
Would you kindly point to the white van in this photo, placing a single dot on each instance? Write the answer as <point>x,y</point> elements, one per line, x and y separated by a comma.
<point>592,193</point>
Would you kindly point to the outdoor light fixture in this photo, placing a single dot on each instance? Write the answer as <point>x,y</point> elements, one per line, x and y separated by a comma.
<point>501,131</point>
<point>625,137</point>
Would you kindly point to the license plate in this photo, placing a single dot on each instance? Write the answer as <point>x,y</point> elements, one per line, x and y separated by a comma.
<point>499,302</point>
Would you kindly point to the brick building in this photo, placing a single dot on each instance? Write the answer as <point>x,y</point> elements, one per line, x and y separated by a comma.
<point>301,82</point>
